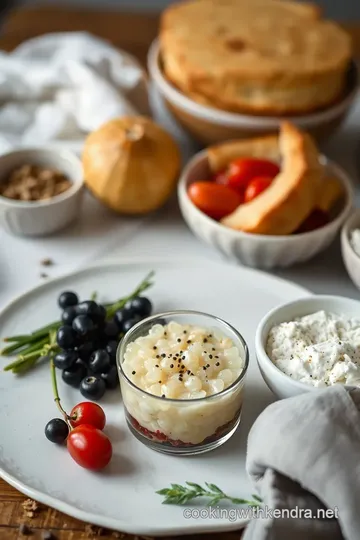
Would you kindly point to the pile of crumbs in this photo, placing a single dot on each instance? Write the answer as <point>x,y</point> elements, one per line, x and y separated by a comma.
<point>30,508</point>
<point>34,183</point>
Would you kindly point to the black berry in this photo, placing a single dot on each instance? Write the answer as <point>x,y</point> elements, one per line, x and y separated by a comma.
<point>93,387</point>
<point>56,430</point>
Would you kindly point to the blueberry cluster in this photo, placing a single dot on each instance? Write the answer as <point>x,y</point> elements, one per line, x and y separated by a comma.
<point>89,340</point>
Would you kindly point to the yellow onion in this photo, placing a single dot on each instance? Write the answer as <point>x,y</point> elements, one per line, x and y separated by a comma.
<point>131,164</point>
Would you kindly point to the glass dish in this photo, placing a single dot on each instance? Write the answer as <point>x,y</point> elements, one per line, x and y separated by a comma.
<point>183,426</point>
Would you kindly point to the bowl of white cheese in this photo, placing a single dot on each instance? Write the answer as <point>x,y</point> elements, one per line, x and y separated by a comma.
<point>350,246</point>
<point>182,375</point>
<point>310,343</point>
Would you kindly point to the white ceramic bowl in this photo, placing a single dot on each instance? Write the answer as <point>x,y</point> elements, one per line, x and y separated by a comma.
<point>351,260</point>
<point>39,218</point>
<point>279,383</point>
<point>209,125</point>
<point>257,250</point>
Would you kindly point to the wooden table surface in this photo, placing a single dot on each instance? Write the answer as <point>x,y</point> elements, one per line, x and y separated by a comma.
<point>134,33</point>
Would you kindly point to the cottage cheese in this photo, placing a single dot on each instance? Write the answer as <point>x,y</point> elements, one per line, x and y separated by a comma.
<point>182,362</point>
<point>355,241</point>
<point>321,349</point>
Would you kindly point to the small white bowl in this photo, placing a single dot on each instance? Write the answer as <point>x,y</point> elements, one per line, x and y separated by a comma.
<point>257,250</point>
<point>210,125</point>
<point>40,218</point>
<point>351,260</point>
<point>279,383</point>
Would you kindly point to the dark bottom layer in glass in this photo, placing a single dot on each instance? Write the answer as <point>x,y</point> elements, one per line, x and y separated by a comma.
<point>163,439</point>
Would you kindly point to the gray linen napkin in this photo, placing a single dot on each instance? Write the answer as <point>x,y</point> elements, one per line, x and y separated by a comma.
<point>304,453</point>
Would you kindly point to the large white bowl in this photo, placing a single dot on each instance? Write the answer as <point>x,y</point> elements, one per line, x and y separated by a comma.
<point>351,259</point>
<point>279,383</point>
<point>39,218</point>
<point>209,125</point>
<point>257,250</point>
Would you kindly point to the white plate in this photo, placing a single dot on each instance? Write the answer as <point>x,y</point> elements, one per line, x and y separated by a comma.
<point>123,496</point>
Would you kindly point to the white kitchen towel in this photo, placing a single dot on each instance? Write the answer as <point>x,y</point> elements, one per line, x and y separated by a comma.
<point>58,87</point>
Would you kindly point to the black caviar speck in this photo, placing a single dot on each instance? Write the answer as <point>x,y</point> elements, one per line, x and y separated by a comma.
<point>216,356</point>
<point>213,349</point>
<point>188,372</point>
<point>188,341</point>
<point>163,355</point>
<point>159,382</point>
<point>158,356</point>
<point>156,365</point>
<point>171,365</point>
<point>210,356</point>
<point>154,347</point>
<point>178,340</point>
<point>180,352</point>
<point>163,396</point>
<point>205,340</point>
<point>182,366</point>
<point>204,367</point>
<point>133,372</point>
<point>217,364</point>
<point>185,332</point>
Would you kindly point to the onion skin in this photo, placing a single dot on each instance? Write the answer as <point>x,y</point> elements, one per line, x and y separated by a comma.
<point>131,164</point>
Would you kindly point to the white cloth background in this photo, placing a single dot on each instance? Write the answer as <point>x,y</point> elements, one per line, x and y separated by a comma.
<point>58,87</point>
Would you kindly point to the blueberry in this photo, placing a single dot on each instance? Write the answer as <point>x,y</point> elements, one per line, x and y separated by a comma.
<point>111,378</point>
<point>65,359</point>
<point>141,306</point>
<point>100,315</point>
<point>111,349</point>
<point>67,299</point>
<point>122,315</point>
<point>93,388</point>
<point>56,430</point>
<point>130,323</point>
<point>74,375</point>
<point>83,325</point>
<point>89,307</point>
<point>85,351</point>
<point>111,330</point>
<point>66,337</point>
<point>99,361</point>
<point>68,315</point>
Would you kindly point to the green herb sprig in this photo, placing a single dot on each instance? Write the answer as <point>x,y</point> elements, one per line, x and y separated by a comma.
<point>30,348</point>
<point>178,494</point>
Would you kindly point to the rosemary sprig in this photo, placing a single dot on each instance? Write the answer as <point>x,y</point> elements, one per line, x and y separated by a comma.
<point>178,494</point>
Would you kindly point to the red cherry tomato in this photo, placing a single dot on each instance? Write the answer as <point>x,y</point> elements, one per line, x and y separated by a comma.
<point>318,218</point>
<point>257,186</point>
<point>89,447</point>
<point>88,413</point>
<point>214,200</point>
<point>220,178</point>
<point>243,170</point>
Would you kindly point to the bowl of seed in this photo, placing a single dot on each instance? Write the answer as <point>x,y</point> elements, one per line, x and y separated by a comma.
<point>40,190</point>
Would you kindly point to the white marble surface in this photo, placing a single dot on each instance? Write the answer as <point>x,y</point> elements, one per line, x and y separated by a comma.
<point>100,234</point>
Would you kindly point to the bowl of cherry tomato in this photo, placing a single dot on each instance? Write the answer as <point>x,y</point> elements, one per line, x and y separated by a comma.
<point>205,199</point>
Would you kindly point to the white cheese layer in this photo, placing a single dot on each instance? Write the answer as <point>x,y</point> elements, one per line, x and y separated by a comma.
<point>321,349</point>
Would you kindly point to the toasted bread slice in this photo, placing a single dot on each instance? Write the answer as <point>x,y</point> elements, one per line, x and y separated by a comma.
<point>257,56</point>
<point>281,208</point>
<point>266,147</point>
<point>330,192</point>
